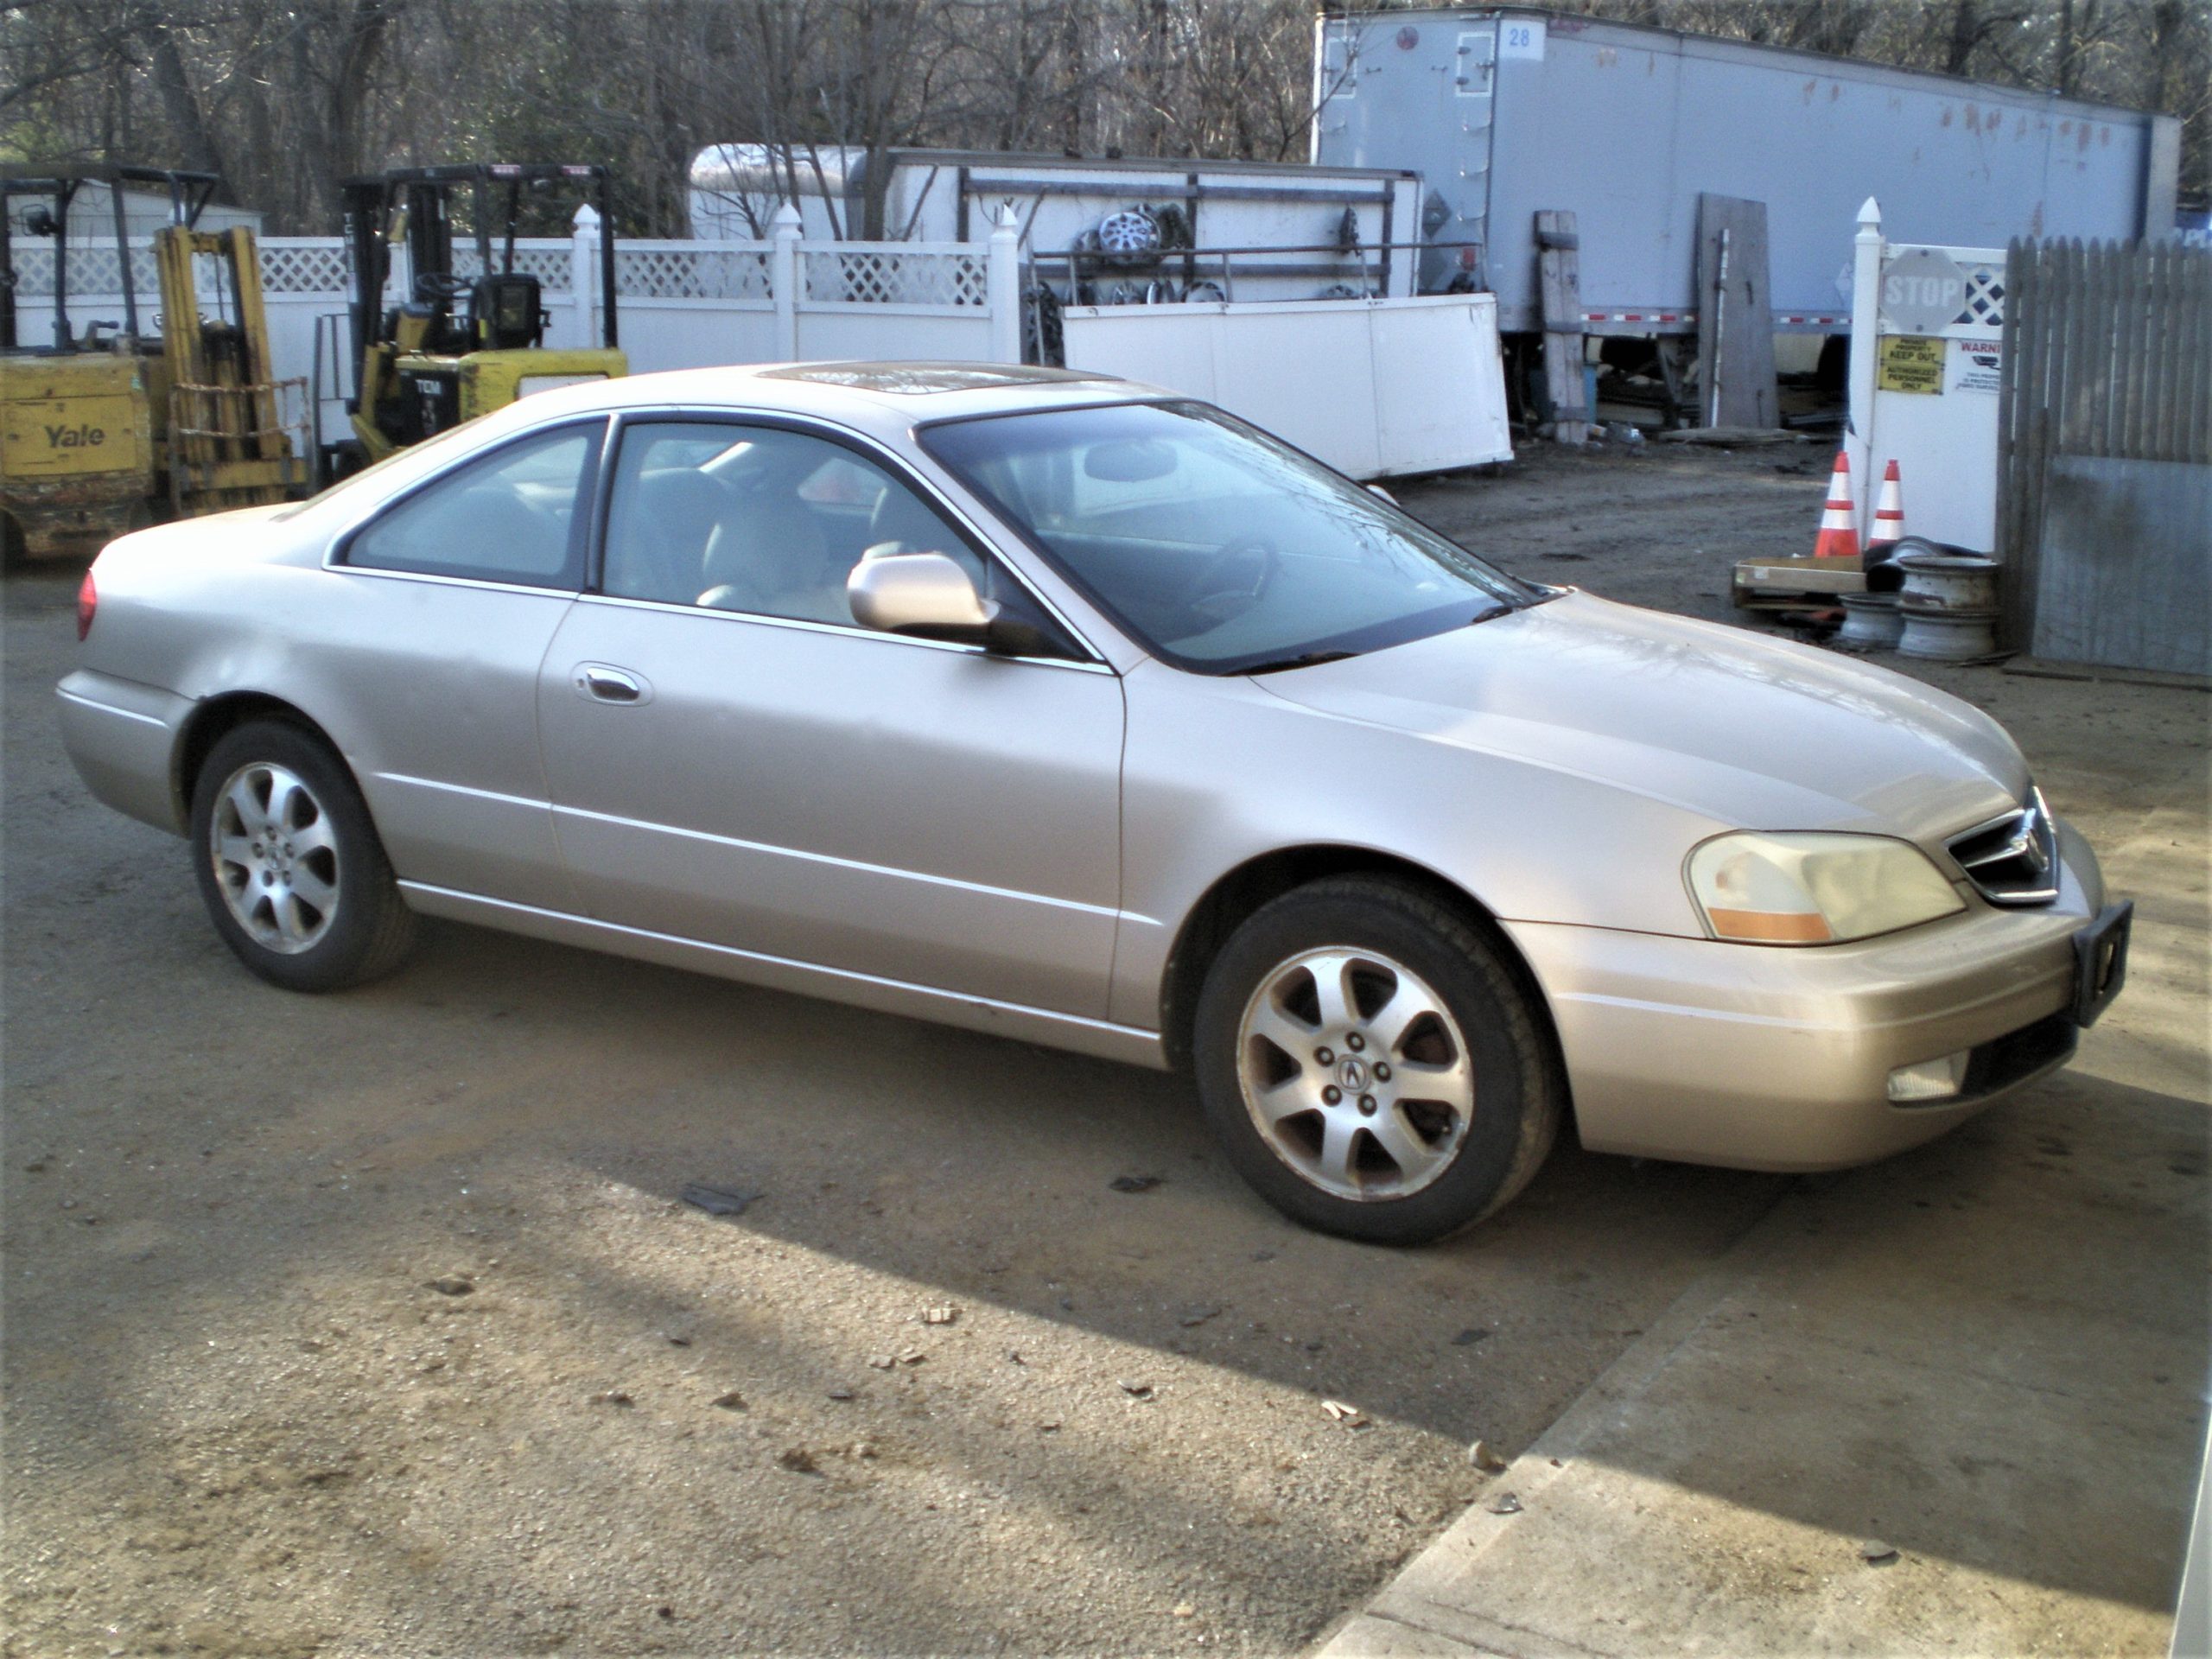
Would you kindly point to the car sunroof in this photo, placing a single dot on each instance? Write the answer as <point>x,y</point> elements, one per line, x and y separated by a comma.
<point>919,378</point>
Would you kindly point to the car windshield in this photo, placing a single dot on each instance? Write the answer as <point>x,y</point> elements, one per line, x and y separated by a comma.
<point>1218,548</point>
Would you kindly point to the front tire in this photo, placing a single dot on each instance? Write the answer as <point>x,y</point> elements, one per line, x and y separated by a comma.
<point>1370,1066</point>
<point>289,865</point>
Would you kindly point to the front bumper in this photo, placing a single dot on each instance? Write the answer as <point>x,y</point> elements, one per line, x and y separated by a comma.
<point>1758,1058</point>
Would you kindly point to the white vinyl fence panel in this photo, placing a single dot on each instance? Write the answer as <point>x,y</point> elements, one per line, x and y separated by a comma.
<point>1376,388</point>
<point>679,304</point>
<point>1927,335</point>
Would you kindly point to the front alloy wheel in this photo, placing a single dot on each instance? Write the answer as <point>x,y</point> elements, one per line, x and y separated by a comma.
<point>1369,1059</point>
<point>1355,1073</point>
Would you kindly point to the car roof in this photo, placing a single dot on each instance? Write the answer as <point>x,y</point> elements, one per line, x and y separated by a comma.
<point>875,396</point>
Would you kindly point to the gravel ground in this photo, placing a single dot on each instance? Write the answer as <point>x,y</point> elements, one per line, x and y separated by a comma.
<point>375,1323</point>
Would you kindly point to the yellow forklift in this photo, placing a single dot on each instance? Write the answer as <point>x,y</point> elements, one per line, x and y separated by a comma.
<point>103,430</point>
<point>76,427</point>
<point>457,346</point>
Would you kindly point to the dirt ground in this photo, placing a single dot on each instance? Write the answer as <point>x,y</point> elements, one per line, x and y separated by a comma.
<point>374,1324</point>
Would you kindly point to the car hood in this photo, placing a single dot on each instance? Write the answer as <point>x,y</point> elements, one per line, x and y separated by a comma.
<point>1748,731</point>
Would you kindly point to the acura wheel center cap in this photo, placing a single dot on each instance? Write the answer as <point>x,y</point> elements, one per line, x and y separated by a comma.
<point>1351,1072</point>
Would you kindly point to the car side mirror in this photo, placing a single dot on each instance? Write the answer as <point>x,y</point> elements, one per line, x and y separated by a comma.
<point>928,595</point>
<point>932,596</point>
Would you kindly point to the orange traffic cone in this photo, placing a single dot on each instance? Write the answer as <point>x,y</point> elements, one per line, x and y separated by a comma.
<point>1839,537</point>
<point>1889,518</point>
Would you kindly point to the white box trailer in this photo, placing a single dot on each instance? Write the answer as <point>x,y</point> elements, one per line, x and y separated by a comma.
<point>1099,230</point>
<point>1509,111</point>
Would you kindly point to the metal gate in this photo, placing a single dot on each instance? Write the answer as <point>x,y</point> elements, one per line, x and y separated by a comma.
<point>2105,453</point>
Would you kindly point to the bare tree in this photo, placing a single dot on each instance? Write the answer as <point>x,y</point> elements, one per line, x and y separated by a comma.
<point>282,97</point>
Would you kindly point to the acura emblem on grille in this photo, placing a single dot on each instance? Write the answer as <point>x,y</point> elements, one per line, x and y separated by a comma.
<point>2009,859</point>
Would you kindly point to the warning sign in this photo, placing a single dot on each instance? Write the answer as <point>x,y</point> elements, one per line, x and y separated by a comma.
<point>1977,365</point>
<point>1911,363</point>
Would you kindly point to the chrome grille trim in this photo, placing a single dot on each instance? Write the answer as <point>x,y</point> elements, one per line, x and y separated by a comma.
<point>2011,859</point>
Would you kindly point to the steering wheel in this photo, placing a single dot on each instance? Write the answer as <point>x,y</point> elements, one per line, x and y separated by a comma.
<point>1233,578</point>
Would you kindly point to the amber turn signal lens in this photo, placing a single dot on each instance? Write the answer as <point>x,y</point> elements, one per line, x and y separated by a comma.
<point>1770,927</point>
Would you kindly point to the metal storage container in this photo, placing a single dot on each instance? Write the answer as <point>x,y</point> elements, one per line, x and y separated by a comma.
<point>1505,112</point>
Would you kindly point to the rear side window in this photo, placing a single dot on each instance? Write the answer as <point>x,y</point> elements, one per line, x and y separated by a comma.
<point>514,516</point>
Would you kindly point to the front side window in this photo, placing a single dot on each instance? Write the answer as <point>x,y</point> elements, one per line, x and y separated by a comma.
<point>510,517</point>
<point>760,519</point>
<point>1216,547</point>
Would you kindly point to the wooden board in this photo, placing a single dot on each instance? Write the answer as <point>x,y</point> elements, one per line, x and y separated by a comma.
<point>1795,576</point>
<point>1559,270</point>
<point>1735,315</point>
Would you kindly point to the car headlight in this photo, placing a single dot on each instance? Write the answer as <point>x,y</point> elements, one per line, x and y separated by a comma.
<point>1814,888</point>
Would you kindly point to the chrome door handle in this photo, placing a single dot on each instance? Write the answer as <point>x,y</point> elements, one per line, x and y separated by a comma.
<point>604,684</point>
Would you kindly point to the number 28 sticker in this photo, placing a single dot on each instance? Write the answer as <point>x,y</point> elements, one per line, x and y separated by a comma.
<point>1521,37</point>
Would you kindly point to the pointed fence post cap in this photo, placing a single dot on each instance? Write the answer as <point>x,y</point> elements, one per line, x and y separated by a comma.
<point>585,219</point>
<point>1869,214</point>
<point>786,218</point>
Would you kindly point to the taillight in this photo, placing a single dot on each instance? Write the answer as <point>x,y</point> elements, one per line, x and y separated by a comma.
<point>88,601</point>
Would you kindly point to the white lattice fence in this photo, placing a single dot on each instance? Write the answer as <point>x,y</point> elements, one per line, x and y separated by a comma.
<point>93,268</point>
<point>292,264</point>
<point>692,270</point>
<point>1985,306</point>
<point>683,304</point>
<point>552,263</point>
<point>896,273</point>
<point>1983,312</point>
<point>304,264</point>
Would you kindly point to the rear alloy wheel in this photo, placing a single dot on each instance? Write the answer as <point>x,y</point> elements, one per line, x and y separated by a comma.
<point>289,865</point>
<point>1370,1066</point>
<point>276,858</point>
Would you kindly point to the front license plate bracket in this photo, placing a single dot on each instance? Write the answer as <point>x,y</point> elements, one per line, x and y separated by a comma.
<point>2101,961</point>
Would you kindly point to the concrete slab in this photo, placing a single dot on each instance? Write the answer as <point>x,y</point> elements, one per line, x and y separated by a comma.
<point>2001,1383</point>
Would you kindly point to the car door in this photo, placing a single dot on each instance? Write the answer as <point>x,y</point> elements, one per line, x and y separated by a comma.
<point>733,759</point>
<point>426,669</point>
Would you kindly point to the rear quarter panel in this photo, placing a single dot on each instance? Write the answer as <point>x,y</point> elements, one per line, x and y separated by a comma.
<point>425,688</point>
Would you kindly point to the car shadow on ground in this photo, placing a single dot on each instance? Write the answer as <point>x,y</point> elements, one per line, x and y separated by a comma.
<point>1001,1171</point>
<point>2044,1251</point>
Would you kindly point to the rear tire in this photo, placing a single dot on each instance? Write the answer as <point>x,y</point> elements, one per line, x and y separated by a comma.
<point>289,865</point>
<point>1371,1066</point>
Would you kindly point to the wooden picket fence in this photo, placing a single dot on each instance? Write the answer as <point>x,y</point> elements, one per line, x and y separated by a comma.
<point>2108,351</point>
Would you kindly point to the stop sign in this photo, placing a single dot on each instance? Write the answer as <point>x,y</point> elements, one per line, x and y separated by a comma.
<point>1923,292</point>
